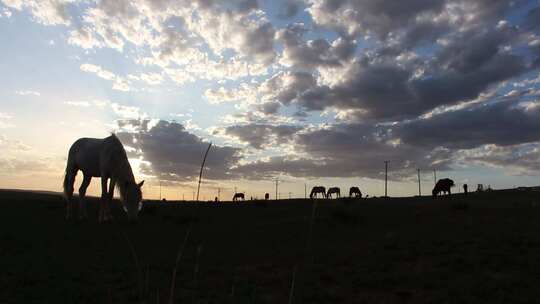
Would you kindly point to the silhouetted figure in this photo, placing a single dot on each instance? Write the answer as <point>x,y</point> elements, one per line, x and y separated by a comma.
<point>266,196</point>
<point>317,190</point>
<point>216,200</point>
<point>238,196</point>
<point>105,158</point>
<point>164,200</point>
<point>443,185</point>
<point>480,188</point>
<point>465,189</point>
<point>333,190</point>
<point>355,191</point>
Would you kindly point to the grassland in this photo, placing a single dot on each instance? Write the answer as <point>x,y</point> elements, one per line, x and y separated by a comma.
<point>480,248</point>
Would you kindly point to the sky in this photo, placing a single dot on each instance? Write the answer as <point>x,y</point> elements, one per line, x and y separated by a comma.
<point>308,92</point>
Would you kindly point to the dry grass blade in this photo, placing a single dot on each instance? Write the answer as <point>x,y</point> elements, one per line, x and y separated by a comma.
<point>178,257</point>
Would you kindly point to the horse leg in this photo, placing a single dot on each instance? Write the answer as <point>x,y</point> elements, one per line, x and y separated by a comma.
<point>104,196</point>
<point>82,196</point>
<point>108,215</point>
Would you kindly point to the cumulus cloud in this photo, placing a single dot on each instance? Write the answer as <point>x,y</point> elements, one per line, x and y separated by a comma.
<point>28,93</point>
<point>174,153</point>
<point>415,82</point>
<point>261,136</point>
<point>128,112</point>
<point>520,159</point>
<point>119,83</point>
<point>499,134</point>
<point>5,121</point>
<point>48,12</point>
<point>503,124</point>
<point>313,53</point>
<point>12,145</point>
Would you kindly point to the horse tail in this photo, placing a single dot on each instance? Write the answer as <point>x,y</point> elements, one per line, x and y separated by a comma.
<point>69,176</point>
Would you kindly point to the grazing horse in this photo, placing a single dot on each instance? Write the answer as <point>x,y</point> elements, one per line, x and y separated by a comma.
<point>333,190</point>
<point>443,185</point>
<point>317,189</point>
<point>105,158</point>
<point>356,192</point>
<point>238,196</point>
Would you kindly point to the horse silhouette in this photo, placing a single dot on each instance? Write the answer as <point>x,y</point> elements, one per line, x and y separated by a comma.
<point>355,191</point>
<point>443,185</point>
<point>333,190</point>
<point>105,158</point>
<point>238,196</point>
<point>317,189</point>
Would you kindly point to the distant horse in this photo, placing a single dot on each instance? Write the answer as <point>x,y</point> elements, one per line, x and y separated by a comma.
<point>443,185</point>
<point>333,190</point>
<point>356,192</point>
<point>105,158</point>
<point>266,196</point>
<point>317,189</point>
<point>238,196</point>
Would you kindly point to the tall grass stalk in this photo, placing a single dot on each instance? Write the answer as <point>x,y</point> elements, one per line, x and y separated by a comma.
<point>178,257</point>
<point>293,281</point>
<point>137,265</point>
<point>310,231</point>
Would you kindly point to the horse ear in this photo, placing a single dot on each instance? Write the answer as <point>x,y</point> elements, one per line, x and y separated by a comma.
<point>141,184</point>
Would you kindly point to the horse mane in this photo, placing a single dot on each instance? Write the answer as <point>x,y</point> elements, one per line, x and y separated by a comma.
<point>122,171</point>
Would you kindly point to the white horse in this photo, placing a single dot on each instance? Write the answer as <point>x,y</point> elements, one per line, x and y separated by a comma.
<point>105,158</point>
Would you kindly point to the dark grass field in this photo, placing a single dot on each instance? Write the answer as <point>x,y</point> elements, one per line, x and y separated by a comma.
<point>481,248</point>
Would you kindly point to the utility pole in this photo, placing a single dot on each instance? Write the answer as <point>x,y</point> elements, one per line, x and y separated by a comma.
<point>305,190</point>
<point>419,190</point>
<point>289,195</point>
<point>193,196</point>
<point>386,178</point>
<point>218,194</point>
<point>434,176</point>
<point>159,189</point>
<point>277,182</point>
<point>183,197</point>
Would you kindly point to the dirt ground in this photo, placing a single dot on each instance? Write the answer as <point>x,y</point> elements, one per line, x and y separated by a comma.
<point>480,248</point>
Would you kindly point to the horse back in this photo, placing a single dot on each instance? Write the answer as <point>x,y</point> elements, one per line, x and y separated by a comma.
<point>96,156</point>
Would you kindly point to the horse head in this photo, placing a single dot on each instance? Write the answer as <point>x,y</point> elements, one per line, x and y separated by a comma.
<point>132,201</point>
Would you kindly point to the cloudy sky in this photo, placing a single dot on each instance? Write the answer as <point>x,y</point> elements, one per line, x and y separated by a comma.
<point>307,91</point>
